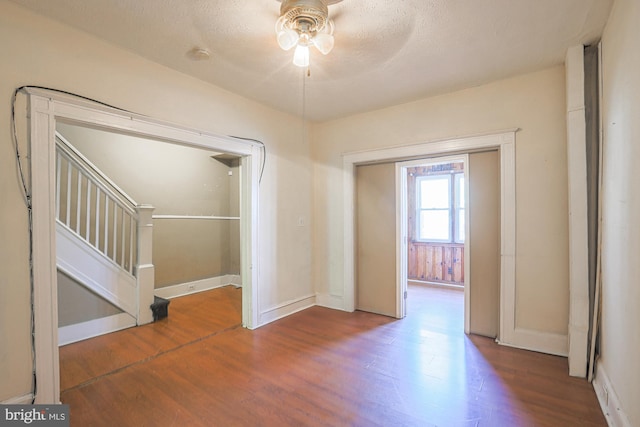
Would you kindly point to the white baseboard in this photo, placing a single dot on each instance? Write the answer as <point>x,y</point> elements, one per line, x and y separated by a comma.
<point>234,279</point>
<point>287,308</point>
<point>93,328</point>
<point>207,284</point>
<point>19,400</point>
<point>330,301</point>
<point>608,399</point>
<point>542,342</point>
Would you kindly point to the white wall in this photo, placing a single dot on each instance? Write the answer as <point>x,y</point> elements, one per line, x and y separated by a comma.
<point>620,361</point>
<point>38,51</point>
<point>534,103</point>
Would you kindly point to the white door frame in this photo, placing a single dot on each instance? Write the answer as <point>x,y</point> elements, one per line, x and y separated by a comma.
<point>44,109</point>
<point>504,141</point>
<point>402,234</point>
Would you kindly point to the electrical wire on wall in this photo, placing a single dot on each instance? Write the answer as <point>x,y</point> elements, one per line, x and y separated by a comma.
<point>264,153</point>
<point>26,189</point>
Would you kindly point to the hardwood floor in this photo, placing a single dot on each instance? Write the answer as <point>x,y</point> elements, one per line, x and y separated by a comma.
<point>317,367</point>
<point>192,318</point>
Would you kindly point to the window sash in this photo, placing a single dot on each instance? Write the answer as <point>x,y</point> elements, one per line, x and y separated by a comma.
<point>459,232</point>
<point>459,208</point>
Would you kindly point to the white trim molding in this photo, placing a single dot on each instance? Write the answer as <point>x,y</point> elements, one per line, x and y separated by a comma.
<point>330,301</point>
<point>504,141</point>
<point>44,109</point>
<point>543,342</point>
<point>196,286</point>
<point>93,328</point>
<point>287,308</point>
<point>608,399</point>
<point>578,214</point>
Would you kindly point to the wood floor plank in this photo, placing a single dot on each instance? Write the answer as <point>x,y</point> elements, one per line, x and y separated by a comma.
<point>318,367</point>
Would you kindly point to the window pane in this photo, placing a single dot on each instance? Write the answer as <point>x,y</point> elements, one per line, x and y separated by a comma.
<point>460,226</point>
<point>434,193</point>
<point>434,225</point>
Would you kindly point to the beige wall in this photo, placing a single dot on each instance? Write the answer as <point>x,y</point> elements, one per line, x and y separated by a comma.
<point>176,180</point>
<point>173,178</point>
<point>535,104</point>
<point>620,343</point>
<point>41,52</point>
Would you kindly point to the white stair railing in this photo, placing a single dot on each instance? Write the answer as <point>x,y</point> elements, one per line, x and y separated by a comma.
<point>104,217</point>
<point>94,208</point>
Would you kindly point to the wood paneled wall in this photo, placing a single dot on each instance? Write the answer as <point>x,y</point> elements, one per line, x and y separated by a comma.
<point>434,262</point>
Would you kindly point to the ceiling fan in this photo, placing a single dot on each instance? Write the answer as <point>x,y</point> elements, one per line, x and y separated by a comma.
<point>305,23</point>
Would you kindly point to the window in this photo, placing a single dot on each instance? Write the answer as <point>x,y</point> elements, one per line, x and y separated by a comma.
<point>440,205</point>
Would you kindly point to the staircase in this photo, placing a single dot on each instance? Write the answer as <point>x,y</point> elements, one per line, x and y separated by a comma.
<point>103,242</point>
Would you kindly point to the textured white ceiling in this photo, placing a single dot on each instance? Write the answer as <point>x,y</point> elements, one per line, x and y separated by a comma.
<point>387,52</point>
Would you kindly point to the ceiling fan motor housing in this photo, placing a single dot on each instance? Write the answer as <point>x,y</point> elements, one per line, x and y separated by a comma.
<point>309,16</point>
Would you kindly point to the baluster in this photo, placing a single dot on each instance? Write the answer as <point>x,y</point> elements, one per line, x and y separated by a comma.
<point>131,230</point>
<point>78,202</point>
<point>58,173</point>
<point>88,214</point>
<point>97,217</point>
<point>115,232</point>
<point>122,237</point>
<point>68,217</point>
<point>106,225</point>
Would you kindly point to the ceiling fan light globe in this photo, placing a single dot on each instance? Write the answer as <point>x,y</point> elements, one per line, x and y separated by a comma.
<point>301,56</point>
<point>287,38</point>
<point>323,42</point>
